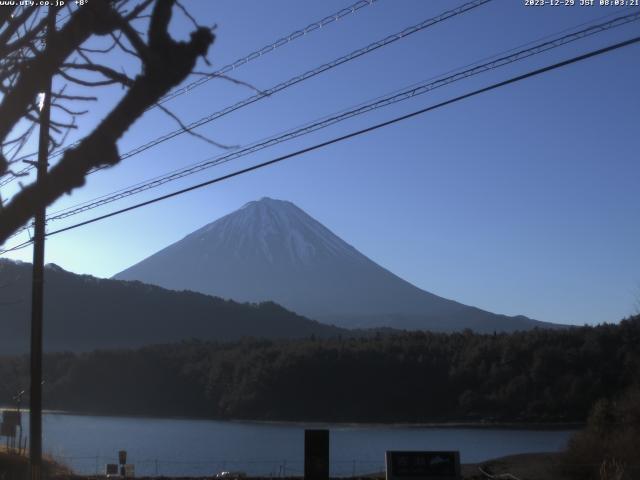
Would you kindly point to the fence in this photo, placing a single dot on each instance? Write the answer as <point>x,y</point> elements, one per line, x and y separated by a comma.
<point>95,465</point>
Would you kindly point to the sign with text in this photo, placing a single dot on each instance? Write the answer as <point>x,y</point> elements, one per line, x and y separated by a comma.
<point>423,465</point>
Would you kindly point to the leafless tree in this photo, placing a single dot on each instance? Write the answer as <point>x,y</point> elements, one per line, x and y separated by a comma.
<point>138,29</point>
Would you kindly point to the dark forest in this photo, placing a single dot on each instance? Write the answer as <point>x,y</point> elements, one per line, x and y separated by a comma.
<point>539,376</point>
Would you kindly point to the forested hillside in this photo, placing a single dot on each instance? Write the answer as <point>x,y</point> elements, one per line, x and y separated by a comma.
<point>83,313</point>
<point>541,375</point>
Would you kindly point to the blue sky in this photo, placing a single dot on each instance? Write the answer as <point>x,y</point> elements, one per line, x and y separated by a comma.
<point>519,201</point>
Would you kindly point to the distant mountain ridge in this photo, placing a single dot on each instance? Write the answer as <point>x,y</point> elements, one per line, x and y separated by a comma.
<point>84,313</point>
<point>272,250</point>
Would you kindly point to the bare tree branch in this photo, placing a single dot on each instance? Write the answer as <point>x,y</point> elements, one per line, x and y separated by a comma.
<point>84,22</point>
<point>165,64</point>
<point>232,80</point>
<point>109,73</point>
<point>190,131</point>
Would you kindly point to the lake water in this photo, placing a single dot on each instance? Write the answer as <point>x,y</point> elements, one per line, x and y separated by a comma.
<point>204,447</point>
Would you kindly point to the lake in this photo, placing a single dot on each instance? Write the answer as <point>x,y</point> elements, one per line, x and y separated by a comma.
<point>204,447</point>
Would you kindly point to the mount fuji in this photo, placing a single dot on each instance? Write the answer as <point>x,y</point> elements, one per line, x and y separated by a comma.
<point>271,250</point>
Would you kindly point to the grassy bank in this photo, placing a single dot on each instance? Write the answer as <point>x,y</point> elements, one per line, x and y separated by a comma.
<point>16,467</point>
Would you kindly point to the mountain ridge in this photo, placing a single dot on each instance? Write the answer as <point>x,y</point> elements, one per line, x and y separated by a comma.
<point>84,313</point>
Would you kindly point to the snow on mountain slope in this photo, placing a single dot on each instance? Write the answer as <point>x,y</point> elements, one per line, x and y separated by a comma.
<point>272,250</point>
<point>275,228</point>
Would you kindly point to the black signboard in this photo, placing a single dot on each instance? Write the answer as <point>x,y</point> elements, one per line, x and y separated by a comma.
<point>423,465</point>
<point>111,469</point>
<point>11,417</point>
<point>316,454</point>
<point>8,429</point>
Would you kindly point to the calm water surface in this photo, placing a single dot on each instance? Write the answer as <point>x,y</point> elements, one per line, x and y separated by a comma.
<point>204,447</point>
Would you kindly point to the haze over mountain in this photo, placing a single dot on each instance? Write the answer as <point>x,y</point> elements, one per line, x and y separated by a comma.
<point>272,250</point>
<point>83,313</point>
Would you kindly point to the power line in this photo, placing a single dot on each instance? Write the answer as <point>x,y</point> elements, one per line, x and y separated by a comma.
<point>395,120</point>
<point>271,47</point>
<point>465,67</point>
<point>414,90</point>
<point>317,25</point>
<point>20,246</point>
<point>396,97</point>
<point>305,76</point>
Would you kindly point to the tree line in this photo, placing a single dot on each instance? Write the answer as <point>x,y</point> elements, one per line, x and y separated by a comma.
<point>534,376</point>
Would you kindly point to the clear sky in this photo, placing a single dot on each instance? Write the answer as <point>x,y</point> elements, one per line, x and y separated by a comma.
<point>520,201</point>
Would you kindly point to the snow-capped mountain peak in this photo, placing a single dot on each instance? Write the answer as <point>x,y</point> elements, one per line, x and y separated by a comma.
<point>271,250</point>
<point>278,229</point>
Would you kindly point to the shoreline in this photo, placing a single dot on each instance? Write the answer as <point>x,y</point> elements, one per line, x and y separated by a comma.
<point>479,424</point>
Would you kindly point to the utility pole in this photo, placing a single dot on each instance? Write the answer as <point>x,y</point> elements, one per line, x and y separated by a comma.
<point>37,289</point>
